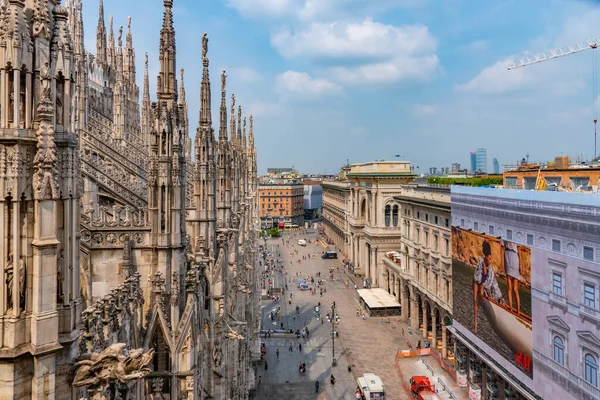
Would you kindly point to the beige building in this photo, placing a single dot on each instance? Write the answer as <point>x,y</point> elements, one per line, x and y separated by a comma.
<point>336,210</point>
<point>374,214</point>
<point>420,274</point>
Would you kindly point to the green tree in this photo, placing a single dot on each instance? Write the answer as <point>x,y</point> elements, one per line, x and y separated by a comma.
<point>274,232</point>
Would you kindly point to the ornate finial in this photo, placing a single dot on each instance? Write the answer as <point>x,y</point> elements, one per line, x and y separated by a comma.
<point>251,122</point>
<point>245,125</point>
<point>181,74</point>
<point>204,45</point>
<point>146,61</point>
<point>168,3</point>
<point>110,22</point>
<point>232,105</point>
<point>239,113</point>
<point>223,81</point>
<point>129,23</point>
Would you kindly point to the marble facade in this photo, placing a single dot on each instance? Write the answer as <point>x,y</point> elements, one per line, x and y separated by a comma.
<point>112,231</point>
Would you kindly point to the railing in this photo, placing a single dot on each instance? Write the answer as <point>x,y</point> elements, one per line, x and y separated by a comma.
<point>447,389</point>
<point>428,367</point>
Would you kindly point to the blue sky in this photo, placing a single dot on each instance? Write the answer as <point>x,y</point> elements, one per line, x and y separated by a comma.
<point>335,80</point>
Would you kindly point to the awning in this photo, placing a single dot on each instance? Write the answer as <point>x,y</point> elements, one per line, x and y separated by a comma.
<point>378,298</point>
<point>281,224</point>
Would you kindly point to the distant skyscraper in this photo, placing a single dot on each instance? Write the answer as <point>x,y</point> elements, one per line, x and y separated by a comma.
<point>473,161</point>
<point>433,171</point>
<point>481,160</point>
<point>455,168</point>
<point>496,165</point>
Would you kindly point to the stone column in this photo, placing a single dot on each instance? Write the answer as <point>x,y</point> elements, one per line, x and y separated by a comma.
<point>424,308</point>
<point>444,344</point>
<point>3,86</point>
<point>16,251</point>
<point>28,101</point>
<point>3,259</point>
<point>404,302</point>
<point>17,97</point>
<point>433,328</point>
<point>414,313</point>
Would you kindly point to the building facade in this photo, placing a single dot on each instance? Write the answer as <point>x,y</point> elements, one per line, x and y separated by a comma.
<point>113,234</point>
<point>496,166</point>
<point>336,213</point>
<point>481,160</point>
<point>281,206</point>
<point>421,280</point>
<point>473,159</point>
<point>374,215</point>
<point>556,234</point>
<point>313,200</point>
<point>560,177</point>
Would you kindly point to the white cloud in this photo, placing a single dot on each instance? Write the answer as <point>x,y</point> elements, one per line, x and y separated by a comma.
<point>346,39</point>
<point>397,69</point>
<point>475,46</point>
<point>425,110</point>
<point>294,83</point>
<point>262,7</point>
<point>244,75</point>
<point>259,108</point>
<point>314,9</point>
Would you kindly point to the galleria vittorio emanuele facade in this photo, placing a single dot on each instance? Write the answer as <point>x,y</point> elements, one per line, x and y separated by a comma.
<point>127,262</point>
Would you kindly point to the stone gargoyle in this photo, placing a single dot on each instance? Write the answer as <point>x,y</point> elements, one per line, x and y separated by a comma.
<point>111,365</point>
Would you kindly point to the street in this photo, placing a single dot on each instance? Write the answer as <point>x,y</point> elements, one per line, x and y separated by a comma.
<point>367,345</point>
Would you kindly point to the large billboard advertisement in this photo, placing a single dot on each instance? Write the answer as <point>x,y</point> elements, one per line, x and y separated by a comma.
<point>491,280</point>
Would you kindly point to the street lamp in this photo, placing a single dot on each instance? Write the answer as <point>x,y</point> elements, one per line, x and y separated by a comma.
<point>333,361</point>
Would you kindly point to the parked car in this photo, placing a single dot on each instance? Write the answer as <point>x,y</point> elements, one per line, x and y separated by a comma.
<point>330,255</point>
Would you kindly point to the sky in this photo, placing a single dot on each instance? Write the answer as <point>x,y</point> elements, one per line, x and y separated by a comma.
<point>331,81</point>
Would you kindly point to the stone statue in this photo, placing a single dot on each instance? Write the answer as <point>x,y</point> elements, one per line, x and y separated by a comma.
<point>121,36</point>
<point>60,298</point>
<point>45,82</point>
<point>233,105</point>
<point>59,103</point>
<point>204,45</point>
<point>22,277</point>
<point>112,366</point>
<point>223,81</point>
<point>9,272</point>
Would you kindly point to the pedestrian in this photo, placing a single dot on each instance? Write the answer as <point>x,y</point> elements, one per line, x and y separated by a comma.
<point>266,365</point>
<point>277,352</point>
<point>299,346</point>
<point>363,316</point>
<point>317,387</point>
<point>259,380</point>
<point>291,348</point>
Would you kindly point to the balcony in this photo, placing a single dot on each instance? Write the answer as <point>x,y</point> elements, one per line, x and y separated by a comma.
<point>589,313</point>
<point>397,267</point>
<point>558,300</point>
<point>576,380</point>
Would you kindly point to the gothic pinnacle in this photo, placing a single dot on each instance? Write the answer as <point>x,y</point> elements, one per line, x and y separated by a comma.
<point>223,110</point>
<point>239,126</point>
<point>167,83</point>
<point>205,95</point>
<point>101,35</point>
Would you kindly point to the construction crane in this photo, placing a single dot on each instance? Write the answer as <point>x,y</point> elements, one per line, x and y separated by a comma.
<point>556,53</point>
<point>590,44</point>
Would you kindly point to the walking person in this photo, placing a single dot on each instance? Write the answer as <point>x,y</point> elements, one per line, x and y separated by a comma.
<point>317,387</point>
<point>291,348</point>
<point>266,365</point>
<point>277,352</point>
<point>299,346</point>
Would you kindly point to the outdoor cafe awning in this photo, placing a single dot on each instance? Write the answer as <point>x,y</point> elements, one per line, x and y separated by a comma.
<point>378,298</point>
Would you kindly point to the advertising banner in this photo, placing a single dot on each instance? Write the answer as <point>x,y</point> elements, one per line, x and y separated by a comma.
<point>491,280</point>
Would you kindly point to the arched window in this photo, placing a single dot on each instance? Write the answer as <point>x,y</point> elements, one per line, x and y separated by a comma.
<point>559,350</point>
<point>395,215</point>
<point>388,211</point>
<point>591,369</point>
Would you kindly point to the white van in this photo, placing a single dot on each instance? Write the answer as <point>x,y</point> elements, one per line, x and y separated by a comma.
<point>371,386</point>
<point>301,242</point>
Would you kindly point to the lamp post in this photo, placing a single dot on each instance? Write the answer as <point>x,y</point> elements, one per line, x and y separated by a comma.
<point>333,361</point>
